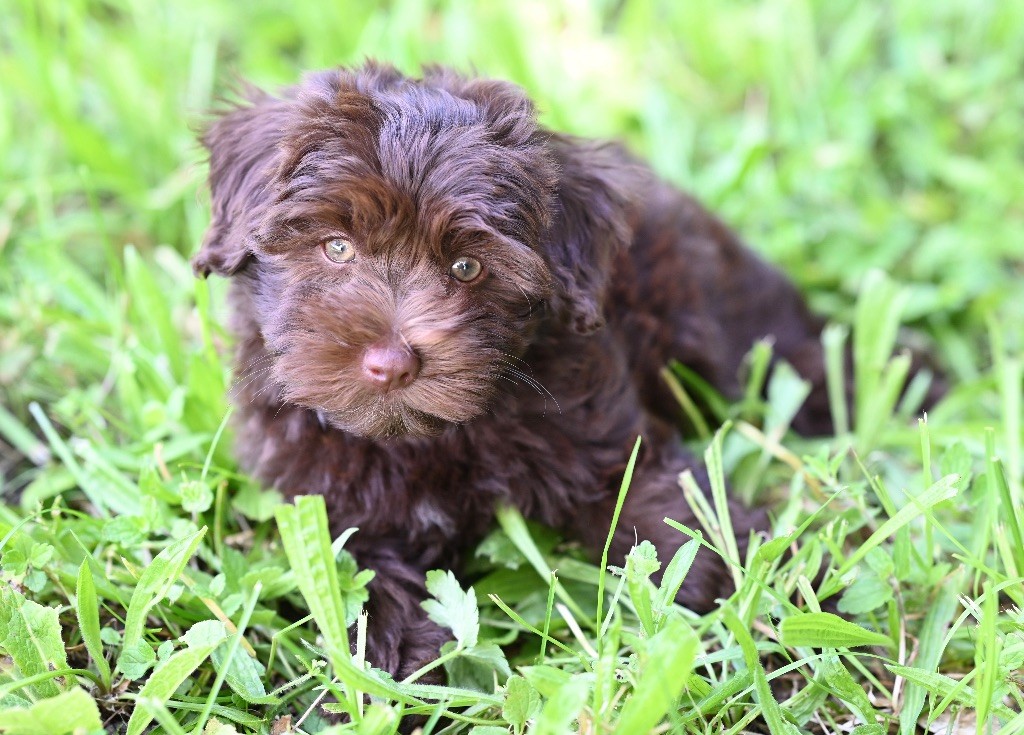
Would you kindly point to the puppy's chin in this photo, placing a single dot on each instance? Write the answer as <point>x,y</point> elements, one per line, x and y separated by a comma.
<point>387,422</point>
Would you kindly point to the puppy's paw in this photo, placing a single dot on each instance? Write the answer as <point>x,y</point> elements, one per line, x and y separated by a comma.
<point>404,650</point>
<point>421,646</point>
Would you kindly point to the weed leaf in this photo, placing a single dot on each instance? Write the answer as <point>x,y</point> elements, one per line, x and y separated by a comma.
<point>72,711</point>
<point>670,655</point>
<point>30,634</point>
<point>452,607</point>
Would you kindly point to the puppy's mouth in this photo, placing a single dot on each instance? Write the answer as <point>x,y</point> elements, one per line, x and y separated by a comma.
<point>384,421</point>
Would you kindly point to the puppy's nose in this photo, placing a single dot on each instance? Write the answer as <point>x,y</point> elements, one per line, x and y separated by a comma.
<point>389,366</point>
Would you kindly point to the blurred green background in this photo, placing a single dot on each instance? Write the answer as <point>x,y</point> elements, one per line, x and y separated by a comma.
<point>836,135</point>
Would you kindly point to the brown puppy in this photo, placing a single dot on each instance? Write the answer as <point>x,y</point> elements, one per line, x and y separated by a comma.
<point>441,306</point>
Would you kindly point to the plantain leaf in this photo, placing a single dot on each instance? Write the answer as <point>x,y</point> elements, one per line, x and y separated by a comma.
<point>825,630</point>
<point>307,542</point>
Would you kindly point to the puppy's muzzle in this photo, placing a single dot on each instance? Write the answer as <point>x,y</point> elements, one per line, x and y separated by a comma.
<point>389,366</point>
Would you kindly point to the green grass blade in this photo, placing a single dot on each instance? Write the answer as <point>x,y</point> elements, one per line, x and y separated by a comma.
<point>92,489</point>
<point>21,438</point>
<point>986,659</point>
<point>1010,514</point>
<point>543,634</point>
<point>670,656</point>
<point>930,649</point>
<point>627,478</point>
<point>833,339</point>
<point>674,576</point>
<point>693,414</point>
<point>877,380</point>
<point>165,680</point>
<point>512,523</point>
<point>307,543</point>
<point>944,489</point>
<point>87,610</point>
<point>159,712</point>
<point>770,708</point>
<point>154,584</point>
<point>720,497</point>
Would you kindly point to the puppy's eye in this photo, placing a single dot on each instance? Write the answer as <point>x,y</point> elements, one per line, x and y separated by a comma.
<point>466,269</point>
<point>339,250</point>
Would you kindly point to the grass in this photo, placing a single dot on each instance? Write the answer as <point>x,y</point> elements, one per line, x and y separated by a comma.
<point>149,585</point>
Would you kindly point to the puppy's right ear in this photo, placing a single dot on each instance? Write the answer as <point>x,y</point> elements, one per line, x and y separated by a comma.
<point>243,147</point>
<point>597,185</point>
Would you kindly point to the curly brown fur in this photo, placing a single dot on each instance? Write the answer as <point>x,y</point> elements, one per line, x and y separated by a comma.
<point>531,382</point>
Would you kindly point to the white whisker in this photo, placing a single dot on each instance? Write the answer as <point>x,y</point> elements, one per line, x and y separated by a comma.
<point>529,380</point>
<point>249,380</point>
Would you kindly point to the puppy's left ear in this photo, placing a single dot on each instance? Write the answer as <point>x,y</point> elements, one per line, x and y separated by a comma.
<point>243,152</point>
<point>590,226</point>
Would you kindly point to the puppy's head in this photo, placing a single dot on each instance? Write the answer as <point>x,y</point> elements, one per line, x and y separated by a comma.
<point>401,240</point>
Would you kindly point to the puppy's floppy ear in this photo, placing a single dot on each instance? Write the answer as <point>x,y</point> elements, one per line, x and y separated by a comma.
<point>591,225</point>
<point>243,153</point>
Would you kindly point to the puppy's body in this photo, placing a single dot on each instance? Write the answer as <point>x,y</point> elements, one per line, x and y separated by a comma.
<point>530,384</point>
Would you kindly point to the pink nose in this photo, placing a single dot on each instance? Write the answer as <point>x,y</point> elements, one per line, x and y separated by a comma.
<point>389,366</point>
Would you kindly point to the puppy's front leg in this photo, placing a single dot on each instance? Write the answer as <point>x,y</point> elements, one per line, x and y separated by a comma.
<point>400,637</point>
<point>655,494</point>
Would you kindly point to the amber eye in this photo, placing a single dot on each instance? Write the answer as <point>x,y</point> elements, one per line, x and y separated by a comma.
<point>339,250</point>
<point>466,269</point>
